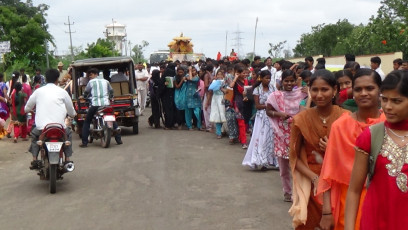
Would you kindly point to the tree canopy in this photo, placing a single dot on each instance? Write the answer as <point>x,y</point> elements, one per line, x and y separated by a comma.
<point>138,52</point>
<point>385,32</point>
<point>24,25</point>
<point>102,48</point>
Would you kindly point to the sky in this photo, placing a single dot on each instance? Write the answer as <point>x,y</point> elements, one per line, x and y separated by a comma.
<point>214,26</point>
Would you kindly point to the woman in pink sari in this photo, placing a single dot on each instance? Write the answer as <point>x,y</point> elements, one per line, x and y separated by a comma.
<point>281,106</point>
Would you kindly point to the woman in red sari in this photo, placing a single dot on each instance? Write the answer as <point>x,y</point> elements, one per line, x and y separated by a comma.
<point>382,155</point>
<point>308,139</point>
<point>339,156</point>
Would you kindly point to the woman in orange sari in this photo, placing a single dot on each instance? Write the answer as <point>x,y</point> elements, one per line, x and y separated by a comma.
<point>309,135</point>
<point>339,157</point>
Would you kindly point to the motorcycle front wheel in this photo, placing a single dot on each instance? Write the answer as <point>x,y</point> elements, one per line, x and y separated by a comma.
<point>107,133</point>
<point>53,178</point>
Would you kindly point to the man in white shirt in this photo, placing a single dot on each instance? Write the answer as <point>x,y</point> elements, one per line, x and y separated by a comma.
<point>52,105</point>
<point>141,81</point>
<point>268,66</point>
<point>375,65</point>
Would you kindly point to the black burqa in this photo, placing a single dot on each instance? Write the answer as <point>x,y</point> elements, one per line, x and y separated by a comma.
<point>156,87</point>
<point>167,97</point>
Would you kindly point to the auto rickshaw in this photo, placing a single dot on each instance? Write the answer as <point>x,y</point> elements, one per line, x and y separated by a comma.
<point>125,103</point>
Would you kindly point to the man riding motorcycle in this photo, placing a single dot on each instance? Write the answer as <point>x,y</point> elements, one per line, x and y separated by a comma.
<point>101,93</point>
<point>52,105</point>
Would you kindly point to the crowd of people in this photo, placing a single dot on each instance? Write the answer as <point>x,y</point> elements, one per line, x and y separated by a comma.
<point>325,132</point>
<point>309,123</point>
<point>14,95</point>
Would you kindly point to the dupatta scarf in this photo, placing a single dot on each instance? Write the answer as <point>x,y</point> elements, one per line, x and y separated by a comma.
<point>286,102</point>
<point>306,131</point>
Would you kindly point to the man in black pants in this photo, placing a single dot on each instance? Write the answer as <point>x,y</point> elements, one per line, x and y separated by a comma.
<point>101,93</point>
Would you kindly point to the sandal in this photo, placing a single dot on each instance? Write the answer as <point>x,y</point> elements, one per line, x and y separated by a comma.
<point>36,164</point>
<point>244,146</point>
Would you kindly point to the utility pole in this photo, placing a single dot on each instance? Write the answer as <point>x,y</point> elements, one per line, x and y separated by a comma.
<point>113,37</point>
<point>226,42</point>
<point>46,53</point>
<point>46,50</point>
<point>130,49</point>
<point>256,25</point>
<point>237,40</point>
<point>70,37</point>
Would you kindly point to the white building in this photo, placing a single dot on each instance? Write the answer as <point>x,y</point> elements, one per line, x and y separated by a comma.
<point>117,32</point>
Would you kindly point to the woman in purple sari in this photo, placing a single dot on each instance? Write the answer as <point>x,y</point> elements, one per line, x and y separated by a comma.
<point>4,110</point>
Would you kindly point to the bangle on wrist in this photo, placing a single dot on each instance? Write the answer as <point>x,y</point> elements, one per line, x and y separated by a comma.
<point>314,179</point>
<point>327,214</point>
<point>273,113</point>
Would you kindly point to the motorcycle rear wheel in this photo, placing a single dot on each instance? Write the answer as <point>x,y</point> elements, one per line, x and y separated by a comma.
<point>53,178</point>
<point>105,140</point>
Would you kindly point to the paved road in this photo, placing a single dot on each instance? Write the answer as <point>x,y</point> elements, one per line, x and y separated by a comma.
<point>159,179</point>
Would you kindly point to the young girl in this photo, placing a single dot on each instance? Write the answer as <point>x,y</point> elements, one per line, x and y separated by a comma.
<point>37,82</point>
<point>281,107</point>
<point>305,75</point>
<point>238,85</point>
<point>344,80</point>
<point>18,116</point>
<point>339,157</point>
<point>308,139</point>
<point>229,108</point>
<point>260,150</point>
<point>381,155</point>
<point>216,97</point>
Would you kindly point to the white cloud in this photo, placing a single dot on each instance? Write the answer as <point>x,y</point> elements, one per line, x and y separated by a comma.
<point>206,22</point>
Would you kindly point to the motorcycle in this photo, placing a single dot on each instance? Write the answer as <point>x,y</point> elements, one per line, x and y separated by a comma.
<point>102,126</point>
<point>51,167</point>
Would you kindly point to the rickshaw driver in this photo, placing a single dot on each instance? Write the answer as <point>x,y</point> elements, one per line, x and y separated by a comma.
<point>101,93</point>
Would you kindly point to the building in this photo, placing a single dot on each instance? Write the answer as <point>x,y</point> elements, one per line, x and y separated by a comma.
<point>117,33</point>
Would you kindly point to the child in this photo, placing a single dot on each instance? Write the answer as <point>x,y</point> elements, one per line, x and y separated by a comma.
<point>344,80</point>
<point>260,150</point>
<point>281,107</point>
<point>217,114</point>
<point>305,75</point>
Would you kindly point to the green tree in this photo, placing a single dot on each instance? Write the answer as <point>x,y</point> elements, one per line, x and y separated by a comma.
<point>385,32</point>
<point>323,39</point>
<point>24,25</point>
<point>389,27</point>
<point>394,9</point>
<point>275,50</point>
<point>100,48</point>
<point>138,52</point>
